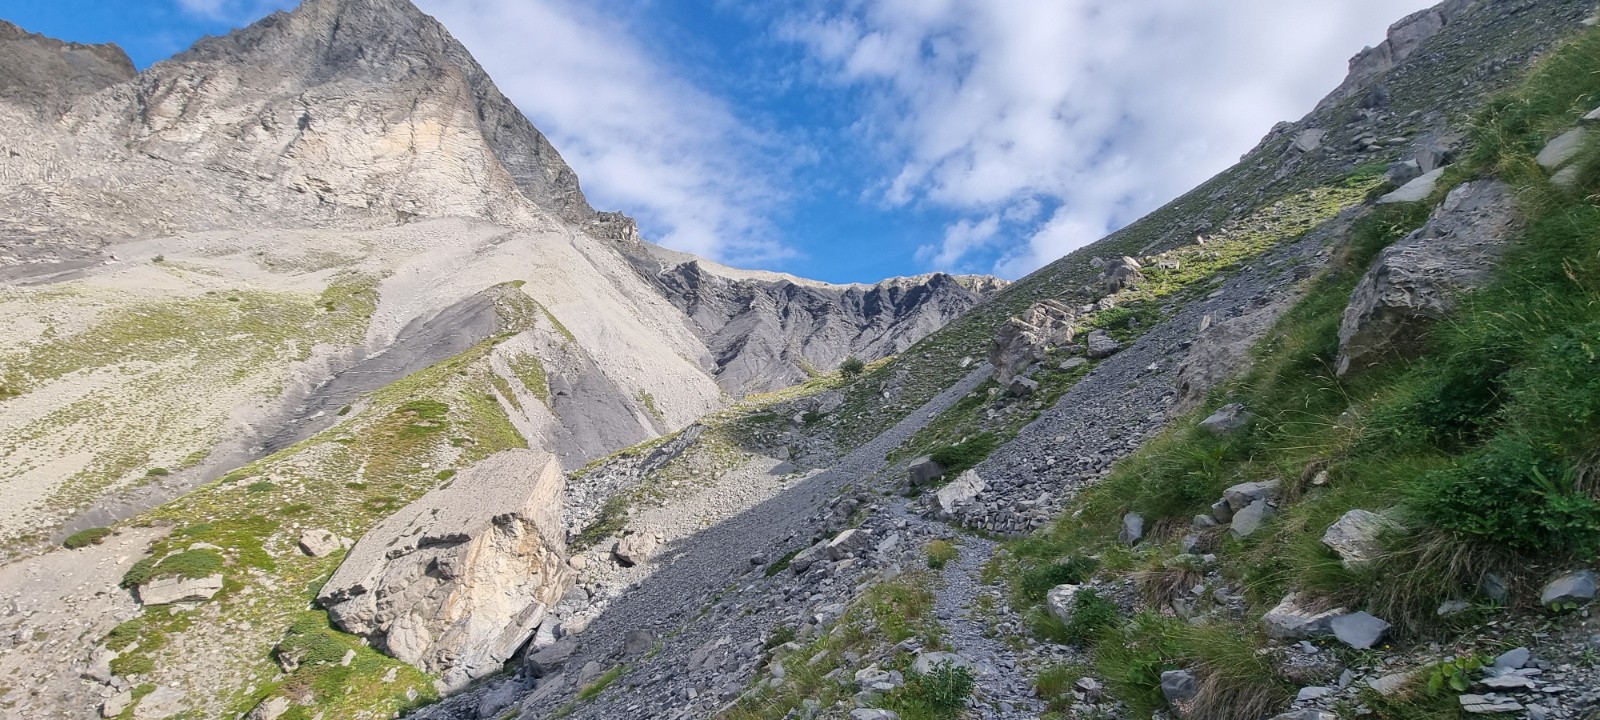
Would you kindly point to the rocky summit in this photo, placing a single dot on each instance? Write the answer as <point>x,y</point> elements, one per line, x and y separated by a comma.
<point>328,394</point>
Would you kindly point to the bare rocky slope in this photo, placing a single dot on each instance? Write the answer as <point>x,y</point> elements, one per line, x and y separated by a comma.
<point>1135,484</point>
<point>285,218</point>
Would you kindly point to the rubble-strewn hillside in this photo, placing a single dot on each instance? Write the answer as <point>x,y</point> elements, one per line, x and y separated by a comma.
<point>1315,440</point>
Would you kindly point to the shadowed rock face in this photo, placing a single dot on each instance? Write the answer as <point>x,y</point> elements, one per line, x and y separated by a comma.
<point>457,581</point>
<point>44,75</point>
<point>765,333</point>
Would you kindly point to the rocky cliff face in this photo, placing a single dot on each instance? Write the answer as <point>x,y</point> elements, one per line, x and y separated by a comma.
<point>350,157</point>
<point>767,331</point>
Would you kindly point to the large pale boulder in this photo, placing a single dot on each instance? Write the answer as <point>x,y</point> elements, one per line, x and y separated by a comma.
<point>1026,339</point>
<point>1355,537</point>
<point>1418,280</point>
<point>1121,274</point>
<point>457,581</point>
<point>635,549</point>
<point>959,493</point>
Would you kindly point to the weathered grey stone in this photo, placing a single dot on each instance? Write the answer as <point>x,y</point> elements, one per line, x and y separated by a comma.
<point>1417,190</point>
<point>849,543</point>
<point>1022,387</point>
<point>458,581</point>
<point>1101,345</point>
<point>1389,685</point>
<point>1308,140</point>
<point>319,543</point>
<point>637,642</point>
<point>1578,587</point>
<point>271,708</point>
<point>168,590</point>
<point>1028,338</point>
<point>1121,274</point>
<point>924,471</point>
<point>1354,538</point>
<point>1132,529</point>
<point>1562,149</point>
<point>635,549</point>
<point>1227,420</point>
<point>1514,659</point>
<point>1417,280</point>
<point>553,659</point>
<point>114,705</point>
<point>873,714</point>
<point>809,557</point>
<point>1489,704</point>
<point>1306,715</point>
<point>1248,521</point>
<point>926,662</point>
<point>959,493</point>
<point>1359,630</point>
<point>1178,686</point>
<point>1243,495</point>
<point>1403,172</point>
<point>164,702</point>
<point>1290,620</point>
<point>1061,601</point>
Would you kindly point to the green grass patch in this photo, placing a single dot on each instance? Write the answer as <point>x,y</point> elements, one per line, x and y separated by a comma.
<point>941,553</point>
<point>85,538</point>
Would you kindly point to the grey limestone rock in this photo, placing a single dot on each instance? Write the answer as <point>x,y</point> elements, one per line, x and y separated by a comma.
<point>1025,339</point>
<point>168,590</point>
<point>1416,281</point>
<point>1291,620</point>
<point>1227,420</point>
<point>457,581</point>
<point>1575,587</point>
<point>1178,686</point>
<point>1355,537</point>
<point>1359,630</point>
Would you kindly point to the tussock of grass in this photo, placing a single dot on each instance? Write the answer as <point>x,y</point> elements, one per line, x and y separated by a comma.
<point>940,553</point>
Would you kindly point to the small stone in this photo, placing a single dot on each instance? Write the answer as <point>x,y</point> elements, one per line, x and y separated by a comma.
<point>1451,608</point>
<point>1250,519</point>
<point>1390,684</point>
<point>1512,659</point>
<point>1562,149</point>
<point>1578,587</point>
<point>1489,704</point>
<point>319,543</point>
<point>1060,602</point>
<point>1290,621</point>
<point>1309,694</point>
<point>1359,630</point>
<point>1227,420</point>
<point>1178,686</point>
<point>1132,529</point>
<point>1354,538</point>
<point>1415,191</point>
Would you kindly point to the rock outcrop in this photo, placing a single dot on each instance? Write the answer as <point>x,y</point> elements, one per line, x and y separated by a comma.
<point>1417,280</point>
<point>44,76</point>
<point>1405,38</point>
<point>765,331</point>
<point>457,581</point>
<point>1027,338</point>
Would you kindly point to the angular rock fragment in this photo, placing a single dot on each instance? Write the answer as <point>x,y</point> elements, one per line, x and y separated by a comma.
<point>459,580</point>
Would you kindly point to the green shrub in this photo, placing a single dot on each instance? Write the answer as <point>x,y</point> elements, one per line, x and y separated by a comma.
<point>136,664</point>
<point>940,553</point>
<point>783,563</point>
<point>852,367</point>
<point>187,564</point>
<point>310,641</point>
<point>1092,615</point>
<point>1513,495</point>
<point>261,486</point>
<point>85,538</point>
<point>157,472</point>
<point>593,690</point>
<point>1037,581</point>
<point>782,636</point>
<point>940,693</point>
<point>965,455</point>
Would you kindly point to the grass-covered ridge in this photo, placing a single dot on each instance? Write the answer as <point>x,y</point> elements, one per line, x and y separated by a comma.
<point>1485,449</point>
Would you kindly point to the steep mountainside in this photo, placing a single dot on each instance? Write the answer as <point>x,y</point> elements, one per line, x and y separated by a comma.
<point>286,218</point>
<point>1316,440</point>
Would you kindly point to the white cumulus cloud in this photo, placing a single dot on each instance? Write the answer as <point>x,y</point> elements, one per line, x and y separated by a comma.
<point>640,136</point>
<point>1102,109</point>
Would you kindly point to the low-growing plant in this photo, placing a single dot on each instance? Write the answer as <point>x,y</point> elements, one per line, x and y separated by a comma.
<point>940,553</point>
<point>85,538</point>
<point>940,693</point>
<point>966,454</point>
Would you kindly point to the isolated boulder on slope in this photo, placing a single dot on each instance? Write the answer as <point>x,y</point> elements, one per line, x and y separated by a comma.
<point>457,581</point>
<point>1418,280</point>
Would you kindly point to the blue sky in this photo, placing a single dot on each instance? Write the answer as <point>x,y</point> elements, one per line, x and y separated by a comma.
<point>850,140</point>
